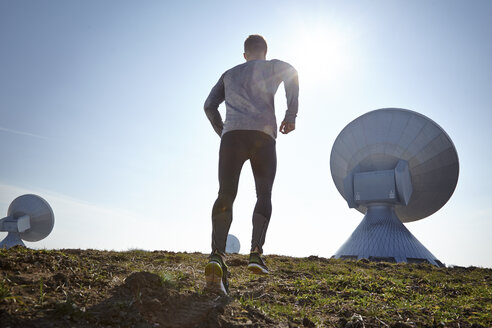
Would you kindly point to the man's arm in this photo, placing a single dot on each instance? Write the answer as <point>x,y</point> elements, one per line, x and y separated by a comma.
<point>214,99</point>
<point>291,85</point>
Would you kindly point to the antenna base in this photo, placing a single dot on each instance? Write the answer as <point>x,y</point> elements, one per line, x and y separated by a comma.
<point>381,236</point>
<point>12,239</point>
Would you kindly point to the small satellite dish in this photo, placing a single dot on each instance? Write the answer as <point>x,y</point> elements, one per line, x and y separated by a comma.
<point>29,218</point>
<point>394,165</point>
<point>232,244</point>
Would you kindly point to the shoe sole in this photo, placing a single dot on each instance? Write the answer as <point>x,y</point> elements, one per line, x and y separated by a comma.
<point>257,269</point>
<point>213,278</point>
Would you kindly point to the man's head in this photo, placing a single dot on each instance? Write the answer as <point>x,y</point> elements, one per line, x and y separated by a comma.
<point>255,47</point>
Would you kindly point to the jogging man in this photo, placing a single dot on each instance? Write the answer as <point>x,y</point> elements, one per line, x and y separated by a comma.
<point>249,132</point>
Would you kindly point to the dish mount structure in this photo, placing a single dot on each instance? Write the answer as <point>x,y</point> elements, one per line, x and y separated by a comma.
<point>395,166</point>
<point>29,218</point>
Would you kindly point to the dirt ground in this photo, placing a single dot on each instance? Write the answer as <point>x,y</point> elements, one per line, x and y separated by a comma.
<point>90,288</point>
<point>75,288</point>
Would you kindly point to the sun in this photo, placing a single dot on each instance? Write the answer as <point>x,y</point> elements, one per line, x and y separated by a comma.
<point>320,54</point>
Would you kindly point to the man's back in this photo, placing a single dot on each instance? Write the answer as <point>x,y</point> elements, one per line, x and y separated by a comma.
<point>249,91</point>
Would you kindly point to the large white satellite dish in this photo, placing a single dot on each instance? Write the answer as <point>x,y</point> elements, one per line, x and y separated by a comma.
<point>232,244</point>
<point>29,218</point>
<point>394,165</point>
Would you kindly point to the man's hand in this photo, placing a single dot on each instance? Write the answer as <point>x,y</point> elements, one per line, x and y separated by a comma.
<point>287,127</point>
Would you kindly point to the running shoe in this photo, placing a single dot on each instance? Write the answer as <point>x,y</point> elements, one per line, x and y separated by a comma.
<point>256,264</point>
<point>216,274</point>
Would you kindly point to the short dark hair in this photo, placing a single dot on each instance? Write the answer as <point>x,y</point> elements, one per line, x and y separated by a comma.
<point>255,44</point>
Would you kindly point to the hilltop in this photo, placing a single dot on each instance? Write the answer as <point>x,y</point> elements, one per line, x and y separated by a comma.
<point>91,288</point>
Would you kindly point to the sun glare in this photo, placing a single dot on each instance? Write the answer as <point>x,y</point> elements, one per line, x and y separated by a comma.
<point>320,54</point>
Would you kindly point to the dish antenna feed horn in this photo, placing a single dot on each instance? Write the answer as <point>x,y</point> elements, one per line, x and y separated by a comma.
<point>29,218</point>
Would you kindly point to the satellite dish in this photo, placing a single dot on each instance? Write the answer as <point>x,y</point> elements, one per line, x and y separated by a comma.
<point>29,218</point>
<point>394,165</point>
<point>232,244</point>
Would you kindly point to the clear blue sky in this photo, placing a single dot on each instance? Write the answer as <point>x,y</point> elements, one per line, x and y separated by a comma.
<point>101,114</point>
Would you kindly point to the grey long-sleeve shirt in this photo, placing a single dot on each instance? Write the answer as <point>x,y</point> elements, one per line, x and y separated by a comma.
<point>249,91</point>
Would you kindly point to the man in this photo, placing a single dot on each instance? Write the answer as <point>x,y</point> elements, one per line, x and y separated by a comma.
<point>249,132</point>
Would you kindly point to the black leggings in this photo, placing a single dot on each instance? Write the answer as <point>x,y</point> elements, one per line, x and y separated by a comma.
<point>236,147</point>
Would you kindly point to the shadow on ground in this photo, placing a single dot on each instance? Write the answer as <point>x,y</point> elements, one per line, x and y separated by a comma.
<point>141,301</point>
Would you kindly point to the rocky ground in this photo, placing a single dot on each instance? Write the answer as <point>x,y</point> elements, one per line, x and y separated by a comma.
<point>91,288</point>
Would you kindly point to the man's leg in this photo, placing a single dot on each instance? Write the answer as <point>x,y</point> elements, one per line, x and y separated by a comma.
<point>232,156</point>
<point>231,160</point>
<point>264,165</point>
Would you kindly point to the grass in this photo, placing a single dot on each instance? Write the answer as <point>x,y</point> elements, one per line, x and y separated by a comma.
<point>41,293</point>
<point>4,291</point>
<point>302,291</point>
<point>172,279</point>
<point>418,292</point>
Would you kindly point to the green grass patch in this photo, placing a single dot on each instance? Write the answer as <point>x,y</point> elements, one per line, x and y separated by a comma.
<point>4,291</point>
